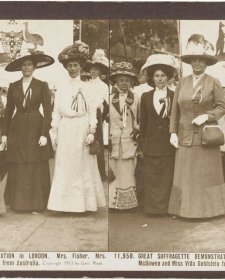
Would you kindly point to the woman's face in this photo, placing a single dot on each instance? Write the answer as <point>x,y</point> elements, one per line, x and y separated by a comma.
<point>160,79</point>
<point>123,82</point>
<point>27,68</point>
<point>73,69</point>
<point>95,72</point>
<point>198,65</point>
<point>142,77</point>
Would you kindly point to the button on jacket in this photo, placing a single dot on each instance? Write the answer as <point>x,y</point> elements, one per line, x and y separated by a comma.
<point>184,109</point>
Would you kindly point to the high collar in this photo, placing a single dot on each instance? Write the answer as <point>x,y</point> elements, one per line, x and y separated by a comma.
<point>95,79</point>
<point>74,80</point>
<point>27,79</point>
<point>198,76</point>
<point>161,90</point>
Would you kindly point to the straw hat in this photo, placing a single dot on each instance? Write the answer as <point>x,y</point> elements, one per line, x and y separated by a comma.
<point>164,62</point>
<point>198,47</point>
<point>99,59</point>
<point>39,58</point>
<point>78,51</point>
<point>122,68</point>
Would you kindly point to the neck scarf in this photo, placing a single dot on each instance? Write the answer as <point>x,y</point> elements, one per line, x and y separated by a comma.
<point>79,103</point>
<point>27,96</point>
<point>197,95</point>
<point>127,105</point>
<point>165,101</point>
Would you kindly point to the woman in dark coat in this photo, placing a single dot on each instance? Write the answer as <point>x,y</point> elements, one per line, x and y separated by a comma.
<point>158,154</point>
<point>26,135</point>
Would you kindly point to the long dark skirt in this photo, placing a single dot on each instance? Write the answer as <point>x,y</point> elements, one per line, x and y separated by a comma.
<point>28,186</point>
<point>139,176</point>
<point>158,181</point>
<point>99,138</point>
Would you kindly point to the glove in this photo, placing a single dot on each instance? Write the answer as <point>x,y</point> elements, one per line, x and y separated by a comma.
<point>174,140</point>
<point>200,119</point>
<point>90,139</point>
<point>4,141</point>
<point>42,141</point>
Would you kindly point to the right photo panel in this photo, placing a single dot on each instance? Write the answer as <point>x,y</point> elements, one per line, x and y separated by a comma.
<point>166,135</point>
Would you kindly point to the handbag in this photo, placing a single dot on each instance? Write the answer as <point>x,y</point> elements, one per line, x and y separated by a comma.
<point>111,176</point>
<point>212,135</point>
<point>95,148</point>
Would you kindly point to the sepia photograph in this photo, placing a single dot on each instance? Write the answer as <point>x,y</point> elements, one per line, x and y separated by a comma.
<point>54,139</point>
<point>169,191</point>
<point>112,139</point>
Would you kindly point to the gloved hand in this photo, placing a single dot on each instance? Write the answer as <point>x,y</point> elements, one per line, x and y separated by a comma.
<point>54,137</point>
<point>200,119</point>
<point>42,141</point>
<point>4,141</point>
<point>174,140</point>
<point>90,139</point>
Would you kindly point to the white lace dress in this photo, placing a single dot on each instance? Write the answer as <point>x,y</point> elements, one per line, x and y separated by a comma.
<point>76,185</point>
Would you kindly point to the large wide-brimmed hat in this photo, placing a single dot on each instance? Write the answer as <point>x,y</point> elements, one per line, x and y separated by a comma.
<point>197,46</point>
<point>39,58</point>
<point>78,51</point>
<point>98,59</point>
<point>164,62</point>
<point>122,68</point>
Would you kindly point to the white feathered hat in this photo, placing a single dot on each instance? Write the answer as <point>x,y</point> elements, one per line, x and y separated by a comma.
<point>167,63</point>
<point>99,58</point>
<point>197,46</point>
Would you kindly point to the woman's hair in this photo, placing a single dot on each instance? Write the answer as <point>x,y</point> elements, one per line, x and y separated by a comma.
<point>150,73</point>
<point>30,59</point>
<point>99,67</point>
<point>78,60</point>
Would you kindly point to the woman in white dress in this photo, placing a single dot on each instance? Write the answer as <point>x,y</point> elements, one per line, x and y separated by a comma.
<point>76,185</point>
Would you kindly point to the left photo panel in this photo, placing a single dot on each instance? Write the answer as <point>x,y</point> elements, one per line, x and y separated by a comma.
<point>54,91</point>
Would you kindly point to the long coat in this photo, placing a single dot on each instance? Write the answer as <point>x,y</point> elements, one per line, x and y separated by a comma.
<point>122,191</point>
<point>119,133</point>
<point>154,130</point>
<point>158,163</point>
<point>24,127</point>
<point>184,110</point>
<point>198,187</point>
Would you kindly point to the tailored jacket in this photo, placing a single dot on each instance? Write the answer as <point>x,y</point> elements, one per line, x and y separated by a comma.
<point>184,109</point>
<point>24,127</point>
<point>154,130</point>
<point>119,133</point>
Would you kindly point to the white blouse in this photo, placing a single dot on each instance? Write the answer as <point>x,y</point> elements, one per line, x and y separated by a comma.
<point>64,98</point>
<point>26,82</point>
<point>158,94</point>
<point>122,99</point>
<point>100,91</point>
